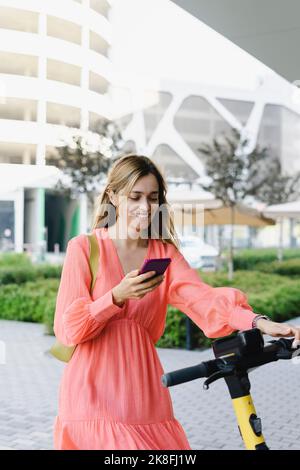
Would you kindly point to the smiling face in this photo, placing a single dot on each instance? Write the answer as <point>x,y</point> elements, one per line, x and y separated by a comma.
<point>136,209</point>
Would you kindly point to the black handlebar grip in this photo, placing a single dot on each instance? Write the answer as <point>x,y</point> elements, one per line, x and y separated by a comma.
<point>184,375</point>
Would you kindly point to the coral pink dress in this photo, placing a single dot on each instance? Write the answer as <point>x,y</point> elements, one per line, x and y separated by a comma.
<point>111,395</point>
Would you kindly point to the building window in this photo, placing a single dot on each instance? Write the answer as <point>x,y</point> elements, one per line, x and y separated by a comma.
<point>18,64</point>
<point>155,105</point>
<point>98,83</point>
<point>62,29</point>
<point>62,72</point>
<point>18,109</point>
<point>172,165</point>
<point>240,109</point>
<point>63,115</point>
<point>198,122</point>
<point>98,44</point>
<point>18,20</point>
<point>100,6</point>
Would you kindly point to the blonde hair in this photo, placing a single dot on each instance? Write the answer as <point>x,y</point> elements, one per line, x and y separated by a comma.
<point>122,176</point>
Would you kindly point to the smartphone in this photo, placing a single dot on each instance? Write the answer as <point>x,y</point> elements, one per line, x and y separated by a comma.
<point>155,264</point>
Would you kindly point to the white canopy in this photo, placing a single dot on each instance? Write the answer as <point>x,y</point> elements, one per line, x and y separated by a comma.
<point>288,210</point>
<point>185,196</point>
<point>16,176</point>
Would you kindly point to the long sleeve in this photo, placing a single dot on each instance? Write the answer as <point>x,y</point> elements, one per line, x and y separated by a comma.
<point>77,317</point>
<point>218,311</point>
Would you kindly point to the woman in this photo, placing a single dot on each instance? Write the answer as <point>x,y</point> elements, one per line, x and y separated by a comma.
<point>111,396</point>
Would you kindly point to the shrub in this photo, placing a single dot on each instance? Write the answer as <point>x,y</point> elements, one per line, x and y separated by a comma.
<point>25,273</point>
<point>248,259</point>
<point>174,334</point>
<point>272,294</point>
<point>28,301</point>
<point>14,259</point>
<point>289,267</point>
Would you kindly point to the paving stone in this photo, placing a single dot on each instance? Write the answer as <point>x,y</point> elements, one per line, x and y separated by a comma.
<point>29,399</point>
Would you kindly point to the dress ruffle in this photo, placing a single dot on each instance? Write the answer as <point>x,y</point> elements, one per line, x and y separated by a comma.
<point>110,435</point>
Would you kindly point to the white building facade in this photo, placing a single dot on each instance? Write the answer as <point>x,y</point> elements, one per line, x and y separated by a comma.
<point>55,71</point>
<point>186,115</point>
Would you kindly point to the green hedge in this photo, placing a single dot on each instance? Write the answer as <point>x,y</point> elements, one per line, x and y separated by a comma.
<point>28,301</point>
<point>14,259</point>
<point>26,273</point>
<point>272,294</point>
<point>175,332</point>
<point>289,267</point>
<point>249,259</point>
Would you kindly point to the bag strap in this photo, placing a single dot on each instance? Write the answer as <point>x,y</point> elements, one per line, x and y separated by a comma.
<point>94,257</point>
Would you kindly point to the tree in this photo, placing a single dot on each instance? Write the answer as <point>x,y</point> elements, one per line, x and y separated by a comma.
<point>85,158</point>
<point>233,174</point>
<point>278,188</point>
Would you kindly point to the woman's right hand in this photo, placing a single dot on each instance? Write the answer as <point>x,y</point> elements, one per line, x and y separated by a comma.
<point>133,287</point>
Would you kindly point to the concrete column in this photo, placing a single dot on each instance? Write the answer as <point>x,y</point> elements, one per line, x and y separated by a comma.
<point>280,241</point>
<point>83,214</point>
<point>35,216</point>
<point>19,220</point>
<point>41,213</point>
<point>42,76</point>
<point>26,159</point>
<point>38,207</point>
<point>293,240</point>
<point>85,44</point>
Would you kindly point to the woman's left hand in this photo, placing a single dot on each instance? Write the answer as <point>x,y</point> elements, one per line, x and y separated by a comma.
<point>279,329</point>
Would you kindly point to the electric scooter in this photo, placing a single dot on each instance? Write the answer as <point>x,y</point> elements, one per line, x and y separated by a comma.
<point>235,357</point>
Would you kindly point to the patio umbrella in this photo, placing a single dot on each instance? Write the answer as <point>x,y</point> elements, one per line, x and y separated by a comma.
<point>215,213</point>
<point>243,215</point>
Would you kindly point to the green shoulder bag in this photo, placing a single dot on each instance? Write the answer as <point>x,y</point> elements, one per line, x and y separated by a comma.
<point>59,350</point>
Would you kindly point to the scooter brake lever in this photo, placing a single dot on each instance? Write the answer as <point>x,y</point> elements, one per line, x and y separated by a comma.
<point>225,372</point>
<point>284,352</point>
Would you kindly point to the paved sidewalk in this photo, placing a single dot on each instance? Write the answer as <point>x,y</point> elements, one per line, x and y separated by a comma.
<point>29,394</point>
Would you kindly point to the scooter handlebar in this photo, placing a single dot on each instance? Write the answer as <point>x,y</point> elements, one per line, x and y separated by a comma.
<point>184,375</point>
<point>276,349</point>
<point>204,369</point>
